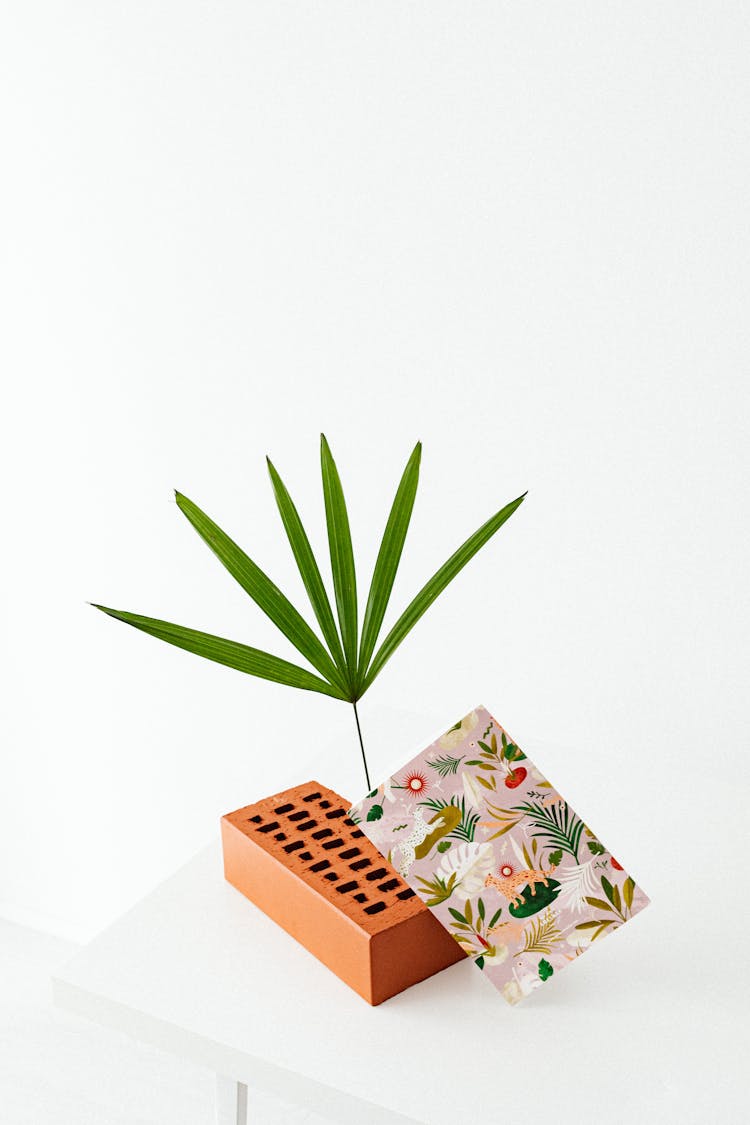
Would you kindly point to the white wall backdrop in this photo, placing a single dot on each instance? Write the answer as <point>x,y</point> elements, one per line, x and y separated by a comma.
<point>518,232</point>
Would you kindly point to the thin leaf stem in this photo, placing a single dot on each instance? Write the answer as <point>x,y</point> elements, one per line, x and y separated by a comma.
<point>362,747</point>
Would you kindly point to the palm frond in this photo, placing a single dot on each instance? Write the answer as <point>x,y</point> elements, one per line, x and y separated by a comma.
<point>231,653</point>
<point>466,827</point>
<point>342,560</point>
<point>438,889</point>
<point>388,559</point>
<point>556,824</point>
<point>446,765</point>
<point>432,589</point>
<point>346,661</point>
<point>307,566</point>
<point>262,590</point>
<point>541,935</point>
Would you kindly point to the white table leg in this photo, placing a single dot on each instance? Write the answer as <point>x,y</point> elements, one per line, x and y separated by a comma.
<point>231,1101</point>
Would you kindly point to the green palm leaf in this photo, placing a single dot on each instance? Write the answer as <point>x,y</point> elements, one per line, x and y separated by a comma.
<point>262,590</point>
<point>435,587</point>
<point>231,653</point>
<point>342,559</point>
<point>561,829</point>
<point>446,765</point>
<point>466,827</point>
<point>347,665</point>
<point>388,559</point>
<point>541,935</point>
<point>308,567</point>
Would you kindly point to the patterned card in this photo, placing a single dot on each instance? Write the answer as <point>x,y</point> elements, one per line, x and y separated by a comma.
<point>498,855</point>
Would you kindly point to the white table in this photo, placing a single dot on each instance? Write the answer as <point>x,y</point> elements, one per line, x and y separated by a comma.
<point>196,969</point>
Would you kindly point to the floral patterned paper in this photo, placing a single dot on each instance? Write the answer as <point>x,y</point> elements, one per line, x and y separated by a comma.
<point>498,855</point>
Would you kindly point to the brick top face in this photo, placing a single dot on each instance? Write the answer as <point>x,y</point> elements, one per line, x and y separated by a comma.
<point>308,830</point>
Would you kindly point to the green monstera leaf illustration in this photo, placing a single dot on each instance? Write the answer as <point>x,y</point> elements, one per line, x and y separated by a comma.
<point>533,903</point>
<point>545,969</point>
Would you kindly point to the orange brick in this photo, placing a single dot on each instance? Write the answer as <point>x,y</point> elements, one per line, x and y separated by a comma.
<point>301,860</point>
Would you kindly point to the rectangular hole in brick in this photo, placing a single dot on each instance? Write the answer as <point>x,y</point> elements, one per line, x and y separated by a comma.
<point>388,886</point>
<point>335,814</point>
<point>269,827</point>
<point>333,844</point>
<point>322,833</point>
<point>346,887</point>
<point>299,815</point>
<point>312,797</point>
<point>360,897</point>
<point>325,804</point>
<point>283,808</point>
<point>254,819</point>
<point>357,835</point>
<point>307,826</point>
<point>350,853</point>
<point>305,855</point>
<point>360,864</point>
<point>321,865</point>
<point>375,908</point>
<point>333,877</point>
<point>280,836</point>
<point>378,873</point>
<point>349,823</point>
<point>294,846</point>
<point>408,893</point>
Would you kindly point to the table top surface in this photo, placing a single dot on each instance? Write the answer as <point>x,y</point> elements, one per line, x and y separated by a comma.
<point>199,970</point>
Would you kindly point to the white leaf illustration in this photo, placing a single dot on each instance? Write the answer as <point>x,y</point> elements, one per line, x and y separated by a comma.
<point>471,863</point>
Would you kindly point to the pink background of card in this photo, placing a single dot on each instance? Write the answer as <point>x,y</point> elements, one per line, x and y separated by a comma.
<point>499,857</point>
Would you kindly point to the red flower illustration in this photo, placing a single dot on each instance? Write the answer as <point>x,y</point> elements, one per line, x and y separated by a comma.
<point>506,871</point>
<point>414,783</point>
<point>515,777</point>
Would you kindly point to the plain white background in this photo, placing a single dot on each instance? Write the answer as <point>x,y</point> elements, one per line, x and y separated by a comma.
<point>518,232</point>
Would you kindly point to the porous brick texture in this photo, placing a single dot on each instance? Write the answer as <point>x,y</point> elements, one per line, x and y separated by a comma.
<point>300,858</point>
